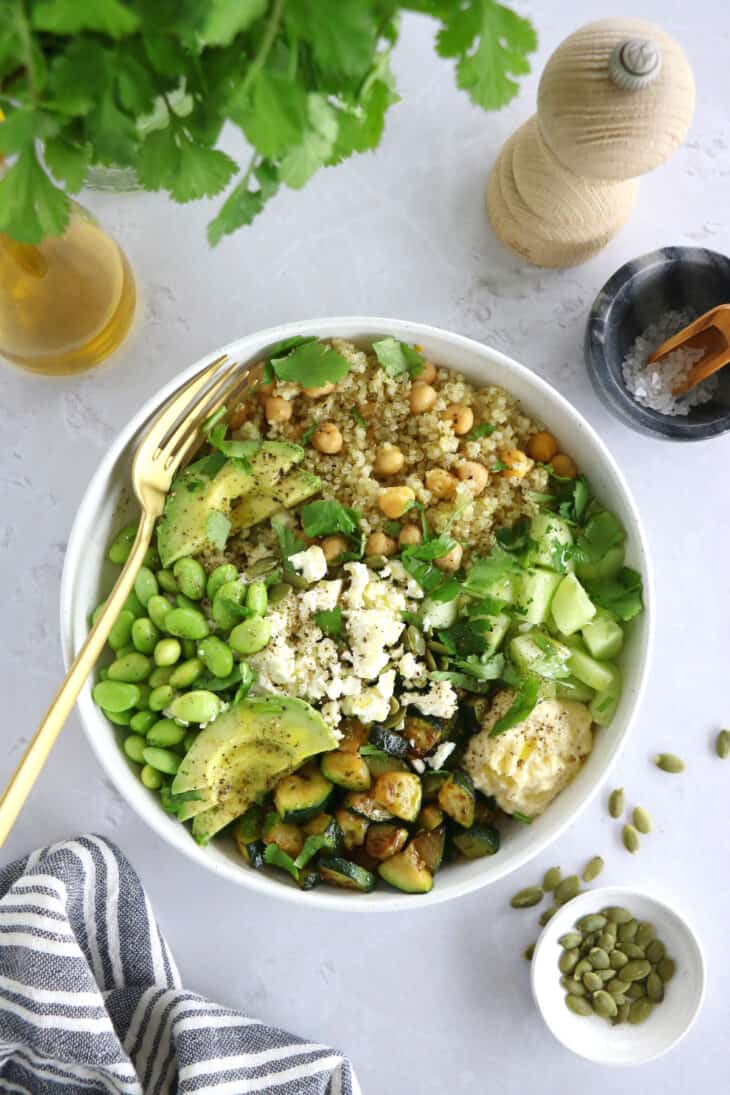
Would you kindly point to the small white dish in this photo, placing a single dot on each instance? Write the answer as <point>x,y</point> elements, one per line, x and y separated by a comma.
<point>595,1038</point>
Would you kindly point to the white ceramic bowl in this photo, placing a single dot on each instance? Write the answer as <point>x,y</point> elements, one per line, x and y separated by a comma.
<point>107,504</point>
<point>594,1038</point>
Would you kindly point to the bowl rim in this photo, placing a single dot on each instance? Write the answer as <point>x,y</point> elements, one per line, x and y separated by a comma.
<point>621,895</point>
<point>614,395</point>
<point>245,347</point>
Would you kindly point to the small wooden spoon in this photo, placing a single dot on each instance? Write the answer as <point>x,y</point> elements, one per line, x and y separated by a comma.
<point>711,334</point>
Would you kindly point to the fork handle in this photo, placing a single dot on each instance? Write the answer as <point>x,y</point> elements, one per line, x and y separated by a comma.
<point>50,726</point>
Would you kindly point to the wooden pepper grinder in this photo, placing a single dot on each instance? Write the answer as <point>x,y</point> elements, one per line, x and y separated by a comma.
<point>615,100</point>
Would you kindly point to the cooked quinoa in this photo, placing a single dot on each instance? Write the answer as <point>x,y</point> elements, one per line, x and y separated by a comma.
<point>427,440</point>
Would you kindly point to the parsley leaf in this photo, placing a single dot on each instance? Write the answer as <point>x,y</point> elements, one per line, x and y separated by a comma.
<point>621,595</point>
<point>329,620</point>
<point>311,364</point>
<point>322,518</point>
<point>503,40</point>
<point>524,703</point>
<point>225,19</point>
<point>398,357</point>
<point>29,202</point>
<point>482,429</point>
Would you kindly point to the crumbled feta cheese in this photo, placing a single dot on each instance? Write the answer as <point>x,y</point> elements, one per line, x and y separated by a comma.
<point>370,632</point>
<point>440,700</point>
<point>411,669</point>
<point>310,563</point>
<point>373,703</point>
<point>322,597</point>
<point>418,764</point>
<point>359,577</point>
<point>441,754</point>
<point>401,575</point>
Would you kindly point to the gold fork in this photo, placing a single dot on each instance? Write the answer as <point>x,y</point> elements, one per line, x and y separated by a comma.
<point>169,443</point>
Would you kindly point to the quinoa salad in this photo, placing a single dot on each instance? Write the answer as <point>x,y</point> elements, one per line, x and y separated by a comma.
<point>381,622</point>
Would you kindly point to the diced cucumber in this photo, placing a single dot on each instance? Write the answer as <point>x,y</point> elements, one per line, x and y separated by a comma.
<point>603,636</point>
<point>548,532</point>
<point>407,871</point>
<point>604,704</point>
<point>595,674</point>
<point>606,567</point>
<point>535,590</point>
<point>573,689</point>
<point>571,607</point>
<point>436,615</point>
<point>536,652</point>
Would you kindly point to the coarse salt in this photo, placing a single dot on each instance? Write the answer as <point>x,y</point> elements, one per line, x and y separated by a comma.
<point>652,385</point>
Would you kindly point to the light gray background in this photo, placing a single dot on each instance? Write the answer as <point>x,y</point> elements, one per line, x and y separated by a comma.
<point>437,1000</point>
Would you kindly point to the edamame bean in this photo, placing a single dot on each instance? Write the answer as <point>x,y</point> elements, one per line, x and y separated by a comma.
<point>119,718</point>
<point>167,652</point>
<point>189,739</point>
<point>121,631</point>
<point>226,607</point>
<point>144,696</point>
<point>144,635</point>
<point>152,558</point>
<point>184,602</point>
<point>166,581</point>
<point>151,778</point>
<point>247,678</point>
<point>124,650</point>
<point>115,696</point>
<point>157,610</point>
<point>250,636</point>
<point>199,707</point>
<point>162,759</point>
<point>160,697</point>
<point>142,721</point>
<point>278,592</point>
<point>145,585</point>
<point>97,613</point>
<point>189,648</point>
<point>222,574</point>
<point>160,675</point>
<point>134,605</point>
<point>121,545</point>
<point>131,668</point>
<point>186,673</point>
<point>186,623</point>
<point>257,598</point>
<point>217,657</point>
<point>190,578</point>
<point>165,733</point>
<point>134,747</point>
<point>103,673</point>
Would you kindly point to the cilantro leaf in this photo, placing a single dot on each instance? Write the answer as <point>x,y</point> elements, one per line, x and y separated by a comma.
<point>484,669</point>
<point>482,429</point>
<point>602,532</point>
<point>329,620</point>
<point>315,147</point>
<point>274,115</point>
<point>69,162</point>
<point>217,527</point>
<point>486,572</point>
<point>169,158</point>
<point>341,36</point>
<point>311,364</point>
<point>360,421</point>
<point>322,518</point>
<point>234,450</point>
<point>398,357</point>
<point>430,549</point>
<point>517,537</point>
<point>461,680</point>
<point>30,204</point>
<point>289,543</point>
<point>71,16</point>
<point>275,857</point>
<point>621,595</point>
<point>243,205</point>
<point>225,19</point>
<point>526,695</point>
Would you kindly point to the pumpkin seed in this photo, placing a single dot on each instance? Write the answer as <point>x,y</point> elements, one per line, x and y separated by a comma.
<point>655,951</point>
<point>528,952</point>
<point>592,923</point>
<point>640,1011</point>
<point>582,969</point>
<point>568,960</point>
<point>722,744</point>
<point>575,988</point>
<point>637,990</point>
<point>415,641</point>
<point>264,566</point>
<point>548,914</point>
<point>598,958</point>
<point>551,879</point>
<point>644,935</point>
<point>279,592</point>
<point>430,660</point>
<point>592,981</point>
<point>592,868</point>
<point>641,819</point>
<point>578,1005</point>
<point>617,987</point>
<point>604,1004</point>
<point>622,1014</point>
<point>606,975</point>
<point>617,959</point>
<point>570,940</point>
<point>616,802</point>
<point>616,915</point>
<point>525,899</point>
<point>631,839</point>
<point>437,647</point>
<point>666,968</point>
<point>627,932</point>
<point>667,762</point>
<point>632,950</point>
<point>376,562</point>
<point>638,969</point>
<point>395,714</point>
<point>655,988</point>
<point>607,939</point>
<point>567,889</point>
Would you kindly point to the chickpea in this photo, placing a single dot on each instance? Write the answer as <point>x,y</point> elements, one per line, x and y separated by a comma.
<point>423,397</point>
<point>542,447</point>
<point>327,438</point>
<point>410,534</point>
<point>378,543</point>
<point>428,373</point>
<point>389,460</point>
<point>240,414</point>
<point>451,560</point>
<point>318,393</point>
<point>394,501</point>
<point>263,390</point>
<point>563,466</point>
<point>333,547</point>
<point>441,483</point>
<point>460,416</point>
<point>277,409</point>
<point>517,464</point>
<point>475,475</point>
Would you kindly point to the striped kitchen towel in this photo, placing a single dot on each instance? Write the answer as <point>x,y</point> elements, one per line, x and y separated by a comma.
<point>91,1000</point>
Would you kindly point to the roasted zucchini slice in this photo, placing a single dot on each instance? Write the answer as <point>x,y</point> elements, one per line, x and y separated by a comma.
<point>384,839</point>
<point>400,793</point>
<point>365,804</point>
<point>432,782</point>
<point>342,872</point>
<point>423,733</point>
<point>478,841</point>
<point>317,825</point>
<point>430,846</point>
<point>407,871</point>
<point>248,826</point>
<point>302,795</point>
<point>354,827</point>
<point>347,770</point>
<point>457,799</point>
<point>253,852</point>
<point>430,817</point>
<point>382,762</point>
<point>387,740</point>
<point>354,734</point>
<point>284,834</point>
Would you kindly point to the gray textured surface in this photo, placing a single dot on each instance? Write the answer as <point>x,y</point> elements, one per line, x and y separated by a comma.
<point>433,1001</point>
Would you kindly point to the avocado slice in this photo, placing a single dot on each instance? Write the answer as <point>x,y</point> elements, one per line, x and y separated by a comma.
<point>290,491</point>
<point>202,497</point>
<point>242,753</point>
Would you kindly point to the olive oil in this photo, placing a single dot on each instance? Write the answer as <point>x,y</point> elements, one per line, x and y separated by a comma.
<point>66,304</point>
